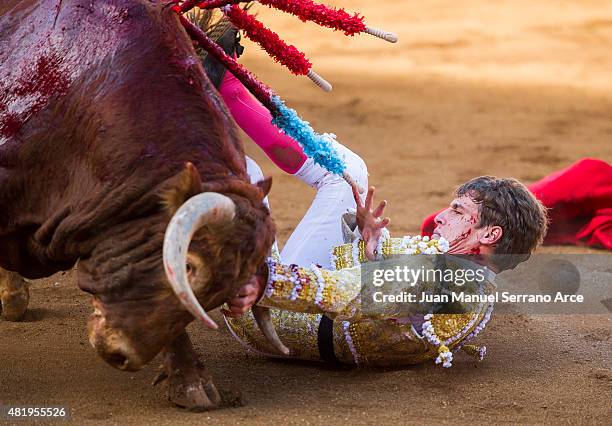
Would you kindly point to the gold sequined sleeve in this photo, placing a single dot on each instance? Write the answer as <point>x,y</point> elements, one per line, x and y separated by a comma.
<point>353,254</point>
<point>311,290</point>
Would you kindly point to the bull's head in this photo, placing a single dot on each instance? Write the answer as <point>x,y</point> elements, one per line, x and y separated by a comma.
<point>213,244</point>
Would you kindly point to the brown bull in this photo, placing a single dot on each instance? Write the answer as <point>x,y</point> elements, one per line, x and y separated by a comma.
<point>108,127</point>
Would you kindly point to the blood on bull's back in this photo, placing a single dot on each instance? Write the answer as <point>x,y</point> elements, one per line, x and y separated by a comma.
<point>95,96</point>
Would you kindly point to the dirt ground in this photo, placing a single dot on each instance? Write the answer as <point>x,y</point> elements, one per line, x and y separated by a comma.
<point>511,88</point>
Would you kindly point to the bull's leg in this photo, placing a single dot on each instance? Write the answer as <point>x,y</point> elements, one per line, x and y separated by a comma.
<point>189,384</point>
<point>14,295</point>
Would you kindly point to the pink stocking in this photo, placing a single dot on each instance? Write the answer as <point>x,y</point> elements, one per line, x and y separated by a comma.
<point>256,122</point>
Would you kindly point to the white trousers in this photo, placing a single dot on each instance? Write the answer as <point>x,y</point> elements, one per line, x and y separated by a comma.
<point>320,229</point>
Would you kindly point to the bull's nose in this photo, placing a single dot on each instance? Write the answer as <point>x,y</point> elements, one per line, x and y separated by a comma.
<point>121,361</point>
<point>118,360</point>
<point>113,346</point>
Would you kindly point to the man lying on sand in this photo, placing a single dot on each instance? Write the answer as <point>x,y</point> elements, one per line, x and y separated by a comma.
<point>319,230</point>
<point>315,307</point>
<point>318,312</point>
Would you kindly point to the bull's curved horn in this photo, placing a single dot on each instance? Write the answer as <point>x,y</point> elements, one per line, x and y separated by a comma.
<point>202,209</point>
<point>264,322</point>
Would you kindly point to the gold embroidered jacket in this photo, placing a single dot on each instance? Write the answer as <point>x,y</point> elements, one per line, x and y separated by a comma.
<point>362,334</point>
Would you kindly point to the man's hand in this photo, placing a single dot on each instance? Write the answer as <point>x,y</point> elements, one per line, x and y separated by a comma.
<point>247,296</point>
<point>369,222</point>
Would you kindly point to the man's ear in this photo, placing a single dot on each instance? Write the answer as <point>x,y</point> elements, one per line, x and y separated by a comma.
<point>265,185</point>
<point>492,235</point>
<point>184,186</point>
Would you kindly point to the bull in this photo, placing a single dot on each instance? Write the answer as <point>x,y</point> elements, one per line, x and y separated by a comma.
<point>116,152</point>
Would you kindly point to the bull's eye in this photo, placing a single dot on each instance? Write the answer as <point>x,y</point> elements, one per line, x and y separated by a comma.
<point>190,269</point>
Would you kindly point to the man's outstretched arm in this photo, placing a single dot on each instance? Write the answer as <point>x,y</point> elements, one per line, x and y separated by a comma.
<point>369,221</point>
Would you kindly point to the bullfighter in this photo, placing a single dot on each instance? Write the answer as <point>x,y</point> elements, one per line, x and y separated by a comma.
<point>318,312</point>
<point>313,294</point>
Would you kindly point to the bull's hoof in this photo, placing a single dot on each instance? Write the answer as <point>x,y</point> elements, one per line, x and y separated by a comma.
<point>189,384</point>
<point>194,394</point>
<point>14,302</point>
<point>190,387</point>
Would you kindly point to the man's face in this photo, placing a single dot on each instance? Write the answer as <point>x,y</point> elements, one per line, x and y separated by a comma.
<point>458,224</point>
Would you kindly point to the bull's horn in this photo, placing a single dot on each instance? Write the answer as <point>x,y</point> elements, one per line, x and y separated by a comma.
<point>264,321</point>
<point>202,209</point>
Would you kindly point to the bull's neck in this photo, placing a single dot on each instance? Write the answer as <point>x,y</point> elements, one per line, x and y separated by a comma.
<point>72,222</point>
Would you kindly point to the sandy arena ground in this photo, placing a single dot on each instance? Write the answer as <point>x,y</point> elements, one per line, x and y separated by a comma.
<point>512,88</point>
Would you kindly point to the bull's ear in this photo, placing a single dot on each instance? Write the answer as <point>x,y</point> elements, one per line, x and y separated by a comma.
<point>265,185</point>
<point>184,186</point>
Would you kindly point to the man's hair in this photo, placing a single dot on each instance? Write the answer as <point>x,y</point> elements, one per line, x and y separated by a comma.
<point>509,204</point>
